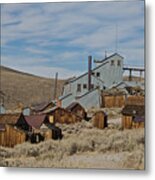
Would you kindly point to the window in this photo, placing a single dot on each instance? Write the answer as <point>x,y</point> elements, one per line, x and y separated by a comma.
<point>118,63</point>
<point>98,74</point>
<point>78,87</point>
<point>112,62</point>
<point>92,73</point>
<point>104,87</point>
<point>84,86</point>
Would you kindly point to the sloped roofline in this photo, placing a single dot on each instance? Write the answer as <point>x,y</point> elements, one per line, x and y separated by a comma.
<point>104,61</point>
<point>115,54</point>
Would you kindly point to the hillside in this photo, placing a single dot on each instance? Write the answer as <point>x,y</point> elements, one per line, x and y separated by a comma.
<point>25,89</point>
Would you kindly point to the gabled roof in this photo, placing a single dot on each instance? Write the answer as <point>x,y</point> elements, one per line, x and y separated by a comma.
<point>104,62</point>
<point>41,106</point>
<point>73,105</point>
<point>106,58</point>
<point>35,121</point>
<point>9,118</point>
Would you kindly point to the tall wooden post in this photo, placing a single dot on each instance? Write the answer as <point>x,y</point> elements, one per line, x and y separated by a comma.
<point>55,85</point>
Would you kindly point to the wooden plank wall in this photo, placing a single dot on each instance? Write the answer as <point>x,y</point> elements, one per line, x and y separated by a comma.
<point>62,116</point>
<point>99,120</point>
<point>114,101</point>
<point>10,137</point>
<point>127,122</point>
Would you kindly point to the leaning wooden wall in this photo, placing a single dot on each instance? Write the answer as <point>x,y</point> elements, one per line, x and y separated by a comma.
<point>10,137</point>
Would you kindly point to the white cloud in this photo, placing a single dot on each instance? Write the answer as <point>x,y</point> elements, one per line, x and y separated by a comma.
<point>66,32</point>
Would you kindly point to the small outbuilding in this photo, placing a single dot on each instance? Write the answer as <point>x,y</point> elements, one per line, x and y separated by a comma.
<point>17,120</point>
<point>77,109</point>
<point>113,98</point>
<point>11,136</point>
<point>100,119</point>
<point>133,116</point>
<point>61,115</point>
<point>42,129</point>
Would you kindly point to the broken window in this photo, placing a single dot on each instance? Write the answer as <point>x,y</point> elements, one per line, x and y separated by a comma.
<point>78,87</point>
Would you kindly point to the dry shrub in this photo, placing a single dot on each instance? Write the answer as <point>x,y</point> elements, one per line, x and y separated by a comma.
<point>85,141</point>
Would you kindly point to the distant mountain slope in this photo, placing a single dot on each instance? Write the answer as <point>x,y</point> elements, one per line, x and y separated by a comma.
<point>23,88</point>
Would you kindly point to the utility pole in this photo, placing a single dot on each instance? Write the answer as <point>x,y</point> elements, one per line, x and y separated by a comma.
<point>55,85</point>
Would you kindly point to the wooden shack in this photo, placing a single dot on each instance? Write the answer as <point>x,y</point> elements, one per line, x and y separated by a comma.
<point>133,116</point>
<point>77,109</point>
<point>42,129</point>
<point>11,136</point>
<point>100,119</point>
<point>61,115</point>
<point>17,120</point>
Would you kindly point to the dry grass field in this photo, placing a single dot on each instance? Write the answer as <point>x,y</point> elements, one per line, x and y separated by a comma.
<point>82,146</point>
<point>21,88</point>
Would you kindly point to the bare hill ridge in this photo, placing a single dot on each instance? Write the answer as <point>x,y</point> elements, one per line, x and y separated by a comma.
<point>25,89</point>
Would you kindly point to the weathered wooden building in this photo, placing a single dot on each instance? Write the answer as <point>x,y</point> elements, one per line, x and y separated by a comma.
<point>113,98</point>
<point>100,120</point>
<point>11,136</point>
<point>37,108</point>
<point>61,115</point>
<point>41,128</point>
<point>17,120</point>
<point>133,116</point>
<point>77,109</point>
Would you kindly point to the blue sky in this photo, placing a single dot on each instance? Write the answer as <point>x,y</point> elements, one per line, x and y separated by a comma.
<point>45,38</point>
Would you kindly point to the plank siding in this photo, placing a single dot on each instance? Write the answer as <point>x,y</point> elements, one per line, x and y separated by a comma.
<point>11,136</point>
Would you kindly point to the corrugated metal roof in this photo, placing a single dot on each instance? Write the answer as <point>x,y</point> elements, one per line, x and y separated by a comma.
<point>9,118</point>
<point>35,121</point>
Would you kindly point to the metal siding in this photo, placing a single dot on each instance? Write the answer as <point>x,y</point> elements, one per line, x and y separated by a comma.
<point>108,74</point>
<point>67,101</point>
<point>90,100</point>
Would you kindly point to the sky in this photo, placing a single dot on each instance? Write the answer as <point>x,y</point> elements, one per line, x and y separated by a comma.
<point>45,38</point>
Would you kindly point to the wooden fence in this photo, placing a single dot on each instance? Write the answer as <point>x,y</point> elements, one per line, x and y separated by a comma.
<point>11,136</point>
